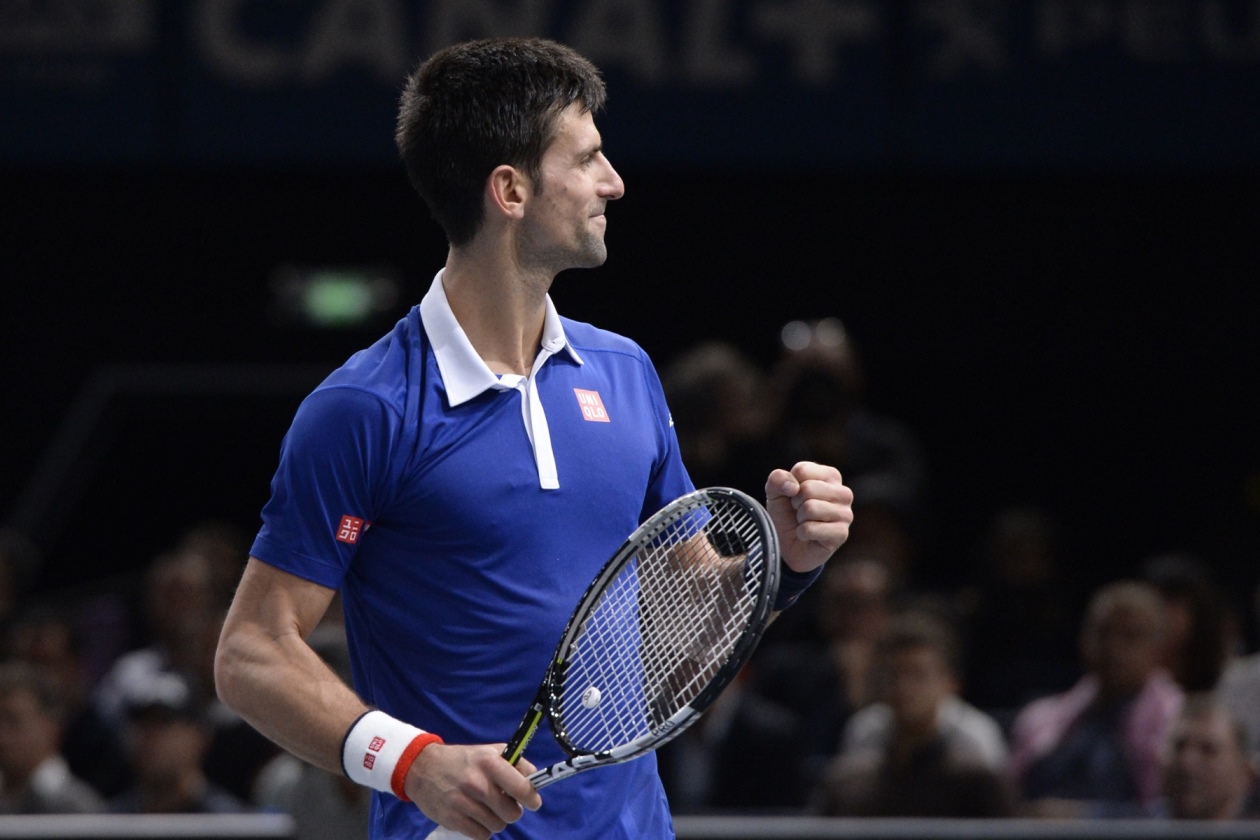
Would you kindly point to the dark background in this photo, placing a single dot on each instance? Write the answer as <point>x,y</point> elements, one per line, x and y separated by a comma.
<point>1059,299</point>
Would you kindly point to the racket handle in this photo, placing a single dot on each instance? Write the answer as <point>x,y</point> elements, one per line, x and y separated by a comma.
<point>441,833</point>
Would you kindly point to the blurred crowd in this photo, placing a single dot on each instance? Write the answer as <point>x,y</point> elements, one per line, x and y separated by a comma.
<point>107,700</point>
<point>1011,695</point>
<point>1014,694</point>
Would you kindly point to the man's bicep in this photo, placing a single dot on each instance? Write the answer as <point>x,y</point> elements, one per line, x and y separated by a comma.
<point>277,602</point>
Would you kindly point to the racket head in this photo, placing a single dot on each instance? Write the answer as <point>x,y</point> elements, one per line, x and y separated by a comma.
<point>664,627</point>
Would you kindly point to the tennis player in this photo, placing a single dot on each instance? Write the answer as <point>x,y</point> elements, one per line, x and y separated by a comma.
<point>463,479</point>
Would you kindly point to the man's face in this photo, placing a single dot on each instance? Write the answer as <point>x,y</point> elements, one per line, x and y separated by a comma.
<point>28,735</point>
<point>1206,774</point>
<point>855,601</point>
<point>166,749</point>
<point>918,682</point>
<point>1123,648</point>
<point>564,225</point>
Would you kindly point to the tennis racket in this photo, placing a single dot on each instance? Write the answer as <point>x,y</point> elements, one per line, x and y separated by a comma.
<point>663,628</point>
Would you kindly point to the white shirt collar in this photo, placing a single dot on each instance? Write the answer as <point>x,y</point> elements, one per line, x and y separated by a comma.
<point>464,373</point>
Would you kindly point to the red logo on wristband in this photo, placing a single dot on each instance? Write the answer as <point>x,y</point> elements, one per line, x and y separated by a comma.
<point>368,760</point>
<point>376,744</point>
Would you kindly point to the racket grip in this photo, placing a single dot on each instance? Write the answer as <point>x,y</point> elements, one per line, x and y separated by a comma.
<point>525,732</point>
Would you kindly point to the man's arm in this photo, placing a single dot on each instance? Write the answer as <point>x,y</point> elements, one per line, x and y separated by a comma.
<point>270,676</point>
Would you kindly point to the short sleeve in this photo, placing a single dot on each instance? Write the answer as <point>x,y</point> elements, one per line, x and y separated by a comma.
<point>332,484</point>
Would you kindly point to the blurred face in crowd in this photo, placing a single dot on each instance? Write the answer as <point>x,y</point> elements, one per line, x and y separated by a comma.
<point>1207,774</point>
<point>166,749</point>
<point>919,680</point>
<point>855,596</point>
<point>48,645</point>
<point>1122,646</point>
<point>180,596</point>
<point>28,735</point>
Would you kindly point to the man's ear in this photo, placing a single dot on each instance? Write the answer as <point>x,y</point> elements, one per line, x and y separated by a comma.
<point>508,190</point>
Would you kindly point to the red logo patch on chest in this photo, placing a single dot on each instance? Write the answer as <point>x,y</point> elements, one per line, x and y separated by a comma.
<point>592,406</point>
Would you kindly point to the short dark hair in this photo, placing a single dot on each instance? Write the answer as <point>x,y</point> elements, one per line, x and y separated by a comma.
<point>481,104</point>
<point>918,630</point>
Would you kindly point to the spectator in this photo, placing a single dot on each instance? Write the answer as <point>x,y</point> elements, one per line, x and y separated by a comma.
<point>1240,690</point>
<point>1018,618</point>
<point>823,411</point>
<point>1096,749</point>
<point>742,756</point>
<point>224,547</point>
<point>789,706</point>
<point>1201,633</point>
<point>886,529</point>
<point>169,738</point>
<point>923,752</point>
<point>717,399</point>
<point>180,613</point>
<point>48,639</point>
<point>19,562</point>
<point>35,778</point>
<point>183,610</point>
<point>1208,773</point>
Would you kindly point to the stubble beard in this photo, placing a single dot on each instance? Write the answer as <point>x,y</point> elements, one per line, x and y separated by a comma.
<point>587,251</point>
<point>593,251</point>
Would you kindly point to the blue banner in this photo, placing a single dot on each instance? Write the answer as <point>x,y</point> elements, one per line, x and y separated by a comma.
<point>79,81</point>
<point>835,83</point>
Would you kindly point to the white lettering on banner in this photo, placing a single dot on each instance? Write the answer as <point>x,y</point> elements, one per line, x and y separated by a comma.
<point>718,43</point>
<point>972,32</point>
<point>99,27</point>
<point>340,34</point>
<point>230,54</point>
<point>621,33</point>
<point>814,30</point>
<point>1219,39</point>
<point>364,33</point>
<point>1155,30</point>
<point>451,21</point>
<point>709,57</point>
<point>1149,30</point>
<point>1063,25</point>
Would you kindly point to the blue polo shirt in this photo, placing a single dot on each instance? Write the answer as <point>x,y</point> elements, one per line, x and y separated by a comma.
<point>462,516</point>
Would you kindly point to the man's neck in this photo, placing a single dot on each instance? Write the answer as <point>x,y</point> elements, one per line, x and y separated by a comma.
<point>500,307</point>
<point>909,739</point>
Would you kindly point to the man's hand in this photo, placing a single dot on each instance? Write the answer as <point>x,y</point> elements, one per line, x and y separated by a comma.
<point>811,509</point>
<point>471,789</point>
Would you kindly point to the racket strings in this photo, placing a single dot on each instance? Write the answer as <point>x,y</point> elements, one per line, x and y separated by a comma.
<point>664,627</point>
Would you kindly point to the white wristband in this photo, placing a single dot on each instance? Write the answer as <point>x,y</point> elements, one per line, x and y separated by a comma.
<point>374,746</point>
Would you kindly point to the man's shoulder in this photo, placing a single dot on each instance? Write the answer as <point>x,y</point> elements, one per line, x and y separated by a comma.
<point>386,367</point>
<point>588,337</point>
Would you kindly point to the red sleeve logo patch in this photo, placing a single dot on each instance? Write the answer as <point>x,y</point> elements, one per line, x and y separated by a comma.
<point>350,529</point>
<point>592,406</point>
